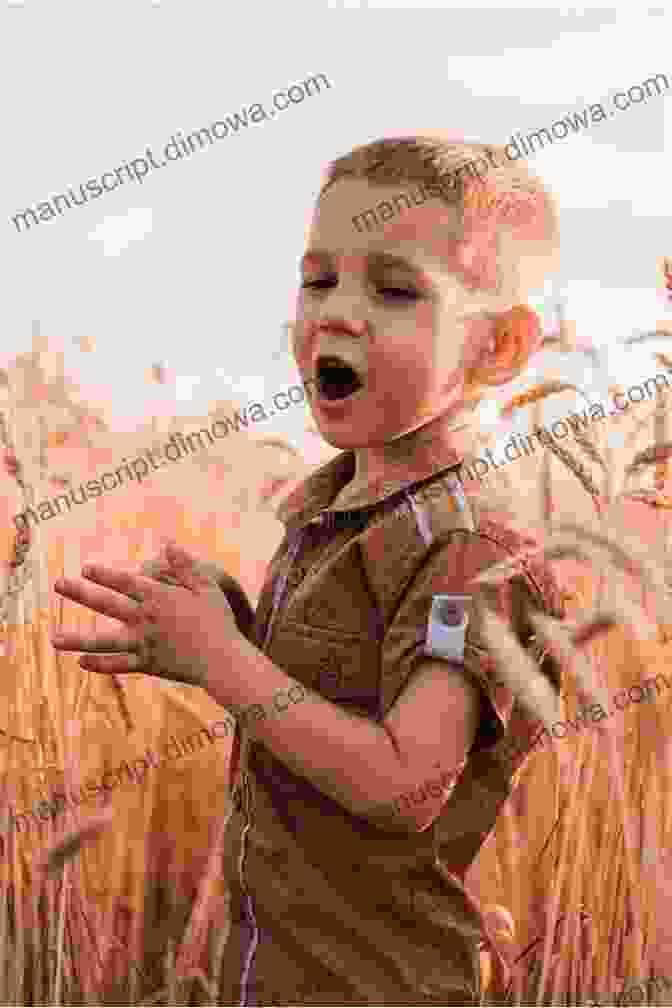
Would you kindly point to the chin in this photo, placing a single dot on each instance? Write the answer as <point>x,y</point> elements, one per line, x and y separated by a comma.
<point>351,439</point>
<point>343,442</point>
<point>343,439</point>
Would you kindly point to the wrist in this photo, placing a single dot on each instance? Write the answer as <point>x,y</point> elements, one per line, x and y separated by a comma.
<point>217,673</point>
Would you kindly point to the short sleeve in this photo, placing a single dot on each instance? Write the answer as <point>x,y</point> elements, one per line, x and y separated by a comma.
<point>449,570</point>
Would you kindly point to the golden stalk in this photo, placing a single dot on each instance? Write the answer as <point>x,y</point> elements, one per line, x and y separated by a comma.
<point>536,394</point>
<point>575,466</point>
<point>589,448</point>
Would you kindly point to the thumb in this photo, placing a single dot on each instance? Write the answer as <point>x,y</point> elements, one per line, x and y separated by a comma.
<point>186,569</point>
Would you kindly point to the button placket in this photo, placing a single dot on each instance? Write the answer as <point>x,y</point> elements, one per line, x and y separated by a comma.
<point>311,567</point>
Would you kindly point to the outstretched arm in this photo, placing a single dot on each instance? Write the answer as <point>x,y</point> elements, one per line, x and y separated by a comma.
<point>188,634</point>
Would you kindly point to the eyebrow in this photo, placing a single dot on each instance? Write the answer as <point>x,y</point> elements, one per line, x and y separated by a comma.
<point>373,259</point>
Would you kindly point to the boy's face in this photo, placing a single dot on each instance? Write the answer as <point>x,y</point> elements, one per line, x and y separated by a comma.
<point>394,304</point>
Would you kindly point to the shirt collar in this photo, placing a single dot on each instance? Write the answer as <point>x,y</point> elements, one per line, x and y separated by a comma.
<point>316,494</point>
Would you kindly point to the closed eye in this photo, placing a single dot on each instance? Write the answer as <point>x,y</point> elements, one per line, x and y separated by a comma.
<point>326,281</point>
<point>399,292</point>
<point>394,293</point>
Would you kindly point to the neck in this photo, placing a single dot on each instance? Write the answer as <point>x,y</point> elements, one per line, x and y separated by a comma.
<point>437,443</point>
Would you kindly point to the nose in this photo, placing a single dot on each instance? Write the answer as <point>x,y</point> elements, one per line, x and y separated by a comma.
<point>342,325</point>
<point>345,305</point>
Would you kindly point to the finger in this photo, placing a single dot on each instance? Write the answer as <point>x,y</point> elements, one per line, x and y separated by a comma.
<point>112,663</point>
<point>101,601</point>
<point>158,573</point>
<point>164,558</point>
<point>150,568</point>
<point>188,569</point>
<point>115,642</point>
<point>134,586</point>
<point>155,566</point>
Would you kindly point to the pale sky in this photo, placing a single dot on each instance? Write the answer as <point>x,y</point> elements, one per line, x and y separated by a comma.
<point>197,266</point>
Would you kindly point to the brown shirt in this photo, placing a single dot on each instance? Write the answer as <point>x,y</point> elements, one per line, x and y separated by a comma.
<point>328,908</point>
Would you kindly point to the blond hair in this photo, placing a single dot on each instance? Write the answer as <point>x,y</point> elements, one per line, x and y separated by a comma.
<point>506,202</point>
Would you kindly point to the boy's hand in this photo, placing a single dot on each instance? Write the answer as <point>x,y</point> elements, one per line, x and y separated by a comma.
<point>160,569</point>
<point>172,631</point>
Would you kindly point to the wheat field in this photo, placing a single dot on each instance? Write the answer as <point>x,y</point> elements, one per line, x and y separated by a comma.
<point>123,903</point>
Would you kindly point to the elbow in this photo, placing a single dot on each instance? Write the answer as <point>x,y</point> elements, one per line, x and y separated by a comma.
<point>411,812</point>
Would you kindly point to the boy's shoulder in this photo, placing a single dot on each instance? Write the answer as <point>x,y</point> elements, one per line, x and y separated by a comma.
<point>445,523</point>
<point>504,530</point>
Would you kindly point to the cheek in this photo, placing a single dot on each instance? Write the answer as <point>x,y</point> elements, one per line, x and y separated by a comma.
<point>302,339</point>
<point>477,332</point>
<point>408,352</point>
<point>420,368</point>
<point>400,368</point>
<point>414,376</point>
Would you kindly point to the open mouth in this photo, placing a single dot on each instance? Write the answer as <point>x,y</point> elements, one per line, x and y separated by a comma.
<point>336,379</point>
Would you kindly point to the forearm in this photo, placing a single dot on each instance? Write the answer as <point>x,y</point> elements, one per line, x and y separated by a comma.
<point>349,758</point>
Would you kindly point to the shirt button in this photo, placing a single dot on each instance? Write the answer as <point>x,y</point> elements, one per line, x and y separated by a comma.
<point>296,577</point>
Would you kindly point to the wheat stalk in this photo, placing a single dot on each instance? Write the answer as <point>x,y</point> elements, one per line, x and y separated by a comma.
<point>662,435</point>
<point>631,559</point>
<point>575,466</point>
<point>535,394</point>
<point>57,856</point>
<point>561,641</point>
<point>504,570</point>
<point>591,451</point>
<point>122,699</point>
<point>516,668</point>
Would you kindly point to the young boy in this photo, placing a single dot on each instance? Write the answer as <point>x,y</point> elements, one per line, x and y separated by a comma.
<point>376,741</point>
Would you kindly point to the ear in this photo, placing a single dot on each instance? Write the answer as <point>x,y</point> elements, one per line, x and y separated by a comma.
<point>516,335</point>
